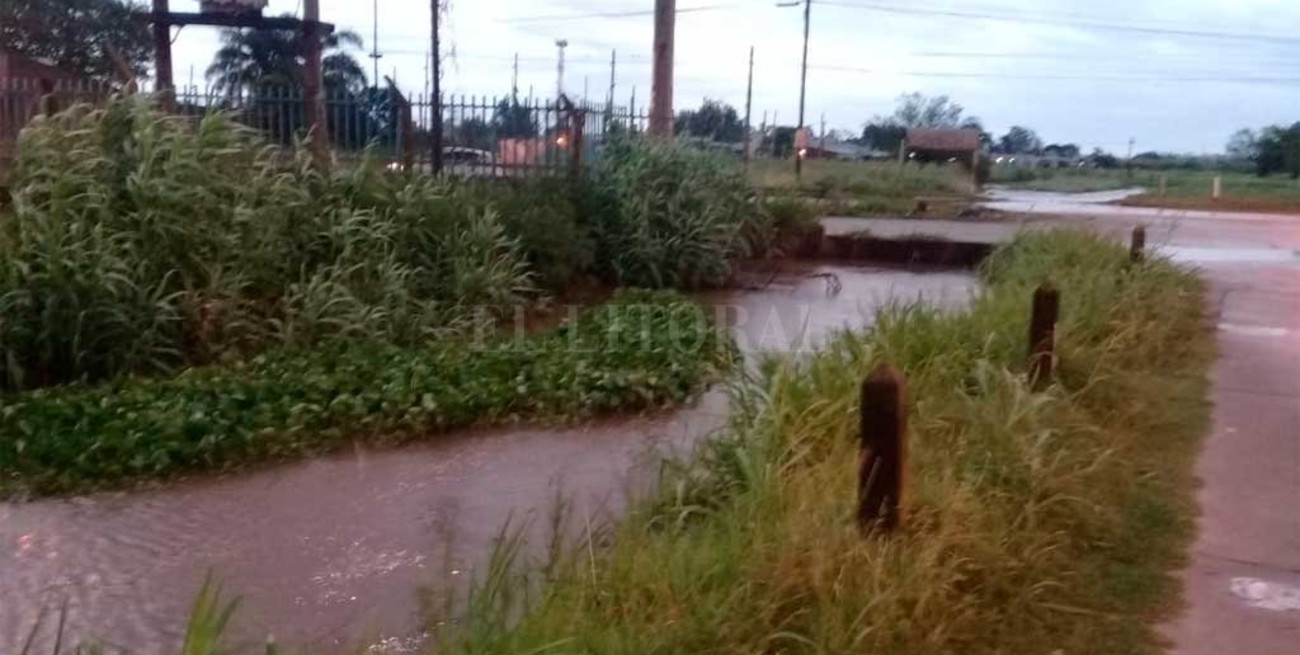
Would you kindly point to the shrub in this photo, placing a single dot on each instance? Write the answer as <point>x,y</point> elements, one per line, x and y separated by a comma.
<point>642,350</point>
<point>544,214</point>
<point>667,215</point>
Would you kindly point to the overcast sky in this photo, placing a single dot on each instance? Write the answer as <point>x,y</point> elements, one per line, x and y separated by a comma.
<point>1057,66</point>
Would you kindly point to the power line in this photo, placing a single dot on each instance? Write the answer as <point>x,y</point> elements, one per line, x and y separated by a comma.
<point>1079,78</point>
<point>612,14</point>
<point>1076,24</point>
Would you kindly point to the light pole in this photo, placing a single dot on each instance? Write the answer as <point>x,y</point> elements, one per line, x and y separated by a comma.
<point>803,79</point>
<point>559,82</point>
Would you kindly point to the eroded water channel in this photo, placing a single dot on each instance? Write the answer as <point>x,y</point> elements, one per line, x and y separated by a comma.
<point>338,551</point>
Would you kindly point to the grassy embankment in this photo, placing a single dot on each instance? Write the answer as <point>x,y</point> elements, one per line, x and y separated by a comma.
<point>1035,522</point>
<point>180,296</point>
<point>1184,189</point>
<point>843,188</point>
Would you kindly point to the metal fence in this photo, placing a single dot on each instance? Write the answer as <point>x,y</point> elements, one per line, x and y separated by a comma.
<point>482,136</point>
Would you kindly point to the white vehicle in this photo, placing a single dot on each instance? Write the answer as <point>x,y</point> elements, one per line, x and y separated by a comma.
<point>458,161</point>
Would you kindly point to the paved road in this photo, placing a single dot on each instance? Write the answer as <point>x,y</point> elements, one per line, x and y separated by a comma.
<point>1243,583</point>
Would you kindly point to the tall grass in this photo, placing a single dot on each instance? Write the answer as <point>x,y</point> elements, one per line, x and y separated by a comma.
<point>1035,522</point>
<point>667,215</point>
<point>141,242</point>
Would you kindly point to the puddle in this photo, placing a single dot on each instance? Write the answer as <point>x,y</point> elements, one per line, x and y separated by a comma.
<point>334,552</point>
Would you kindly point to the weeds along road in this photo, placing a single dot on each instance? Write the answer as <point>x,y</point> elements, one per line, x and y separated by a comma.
<point>1243,582</point>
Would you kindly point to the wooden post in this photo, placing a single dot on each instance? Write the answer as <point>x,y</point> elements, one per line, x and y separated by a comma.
<point>883,459</point>
<point>578,123</point>
<point>313,88</point>
<point>164,83</point>
<point>435,100</point>
<point>661,94</point>
<point>1042,334</point>
<point>1137,246</point>
<point>1218,187</point>
<point>49,97</point>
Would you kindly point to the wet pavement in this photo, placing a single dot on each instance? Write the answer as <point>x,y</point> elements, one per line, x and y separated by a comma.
<point>338,551</point>
<point>1243,583</point>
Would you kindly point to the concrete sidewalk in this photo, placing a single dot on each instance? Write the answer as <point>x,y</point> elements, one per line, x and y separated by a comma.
<point>1243,582</point>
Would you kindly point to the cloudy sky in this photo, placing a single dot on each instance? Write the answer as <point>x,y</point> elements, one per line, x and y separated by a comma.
<point>1176,75</point>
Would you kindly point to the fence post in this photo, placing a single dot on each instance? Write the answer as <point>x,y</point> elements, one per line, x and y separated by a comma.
<point>883,458</point>
<point>49,101</point>
<point>1137,246</point>
<point>1042,334</point>
<point>579,123</point>
<point>1218,187</point>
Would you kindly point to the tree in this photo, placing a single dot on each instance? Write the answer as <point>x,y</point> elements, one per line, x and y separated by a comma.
<point>922,112</point>
<point>512,120</point>
<point>1243,145</point>
<point>77,35</point>
<point>916,111</point>
<point>1020,141</point>
<point>249,59</point>
<point>714,120</point>
<point>782,141</point>
<point>1279,151</point>
<point>1063,150</point>
<point>883,136</point>
<point>474,133</point>
<point>1102,159</point>
<point>986,138</point>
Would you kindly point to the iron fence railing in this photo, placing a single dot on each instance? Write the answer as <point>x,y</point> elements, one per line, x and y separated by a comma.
<point>482,136</point>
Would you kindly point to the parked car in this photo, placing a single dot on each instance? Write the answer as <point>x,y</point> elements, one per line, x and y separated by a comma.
<point>458,161</point>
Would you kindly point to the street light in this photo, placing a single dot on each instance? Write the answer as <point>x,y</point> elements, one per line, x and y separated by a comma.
<point>803,76</point>
<point>559,81</point>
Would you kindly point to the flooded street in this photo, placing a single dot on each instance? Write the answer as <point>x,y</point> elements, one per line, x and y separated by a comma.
<point>334,552</point>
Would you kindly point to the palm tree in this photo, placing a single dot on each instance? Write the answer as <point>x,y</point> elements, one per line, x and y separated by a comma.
<point>258,58</point>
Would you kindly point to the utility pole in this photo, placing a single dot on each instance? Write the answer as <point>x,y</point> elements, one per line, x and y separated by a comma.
<point>375,55</point>
<point>162,52</point>
<point>559,80</point>
<point>749,107</point>
<point>514,79</point>
<point>803,84</point>
<point>661,93</point>
<point>435,101</point>
<point>613,80</point>
<point>313,89</point>
<point>823,132</point>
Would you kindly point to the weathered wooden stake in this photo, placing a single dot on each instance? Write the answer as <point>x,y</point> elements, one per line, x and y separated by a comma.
<point>1137,247</point>
<point>1042,334</point>
<point>883,449</point>
<point>313,84</point>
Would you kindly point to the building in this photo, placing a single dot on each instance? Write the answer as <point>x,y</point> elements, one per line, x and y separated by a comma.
<point>17,69</point>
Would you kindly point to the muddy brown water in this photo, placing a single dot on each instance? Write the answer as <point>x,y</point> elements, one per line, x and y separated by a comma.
<point>338,551</point>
